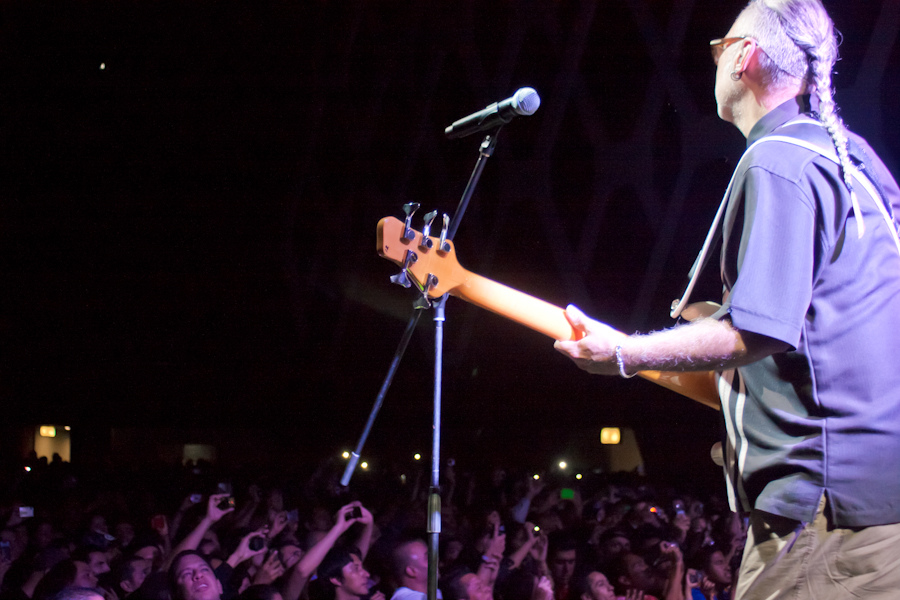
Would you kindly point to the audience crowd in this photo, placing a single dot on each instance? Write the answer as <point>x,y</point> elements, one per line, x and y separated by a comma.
<point>194,532</point>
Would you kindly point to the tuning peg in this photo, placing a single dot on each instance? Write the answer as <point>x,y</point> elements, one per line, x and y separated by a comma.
<point>426,242</point>
<point>402,278</point>
<point>430,282</point>
<point>444,246</point>
<point>410,208</point>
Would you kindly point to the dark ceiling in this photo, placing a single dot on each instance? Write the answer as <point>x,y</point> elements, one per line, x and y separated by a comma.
<point>190,193</point>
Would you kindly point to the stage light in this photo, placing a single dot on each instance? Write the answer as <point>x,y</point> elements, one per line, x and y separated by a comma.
<point>562,465</point>
<point>578,476</point>
<point>536,476</point>
<point>48,431</point>
<point>67,428</point>
<point>364,465</point>
<point>28,469</point>
<point>346,455</point>
<point>610,435</point>
<point>417,456</point>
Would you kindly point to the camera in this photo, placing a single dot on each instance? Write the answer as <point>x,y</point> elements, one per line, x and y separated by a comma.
<point>257,543</point>
<point>354,513</point>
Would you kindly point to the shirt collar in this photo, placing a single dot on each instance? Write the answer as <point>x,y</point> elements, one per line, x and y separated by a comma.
<point>778,116</point>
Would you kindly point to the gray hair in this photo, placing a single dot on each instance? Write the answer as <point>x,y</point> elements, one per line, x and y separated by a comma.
<point>799,42</point>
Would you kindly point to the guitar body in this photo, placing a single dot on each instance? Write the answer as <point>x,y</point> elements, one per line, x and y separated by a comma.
<point>451,278</point>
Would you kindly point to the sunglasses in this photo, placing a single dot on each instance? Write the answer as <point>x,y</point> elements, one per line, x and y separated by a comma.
<point>718,46</point>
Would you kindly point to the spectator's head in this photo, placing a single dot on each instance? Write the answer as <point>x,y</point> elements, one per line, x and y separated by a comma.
<point>612,544</point>
<point>341,575</point>
<point>95,558</point>
<point>289,554</point>
<point>712,562</point>
<point>261,592</point>
<point>561,557</point>
<point>79,593</point>
<point>191,578</point>
<point>631,571</point>
<point>410,565</point>
<point>595,586</point>
<point>131,573</point>
<point>124,532</point>
<point>64,574</point>
<point>468,586</point>
<point>148,545</point>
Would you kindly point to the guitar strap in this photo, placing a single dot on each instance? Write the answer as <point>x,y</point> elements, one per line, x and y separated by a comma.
<point>859,175</point>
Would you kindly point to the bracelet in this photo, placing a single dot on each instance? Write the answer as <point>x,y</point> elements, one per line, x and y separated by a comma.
<point>621,362</point>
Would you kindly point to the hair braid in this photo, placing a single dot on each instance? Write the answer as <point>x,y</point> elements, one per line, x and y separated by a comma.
<point>828,115</point>
<point>809,28</point>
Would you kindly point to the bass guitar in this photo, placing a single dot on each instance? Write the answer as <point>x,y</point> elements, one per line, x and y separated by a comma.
<point>430,264</point>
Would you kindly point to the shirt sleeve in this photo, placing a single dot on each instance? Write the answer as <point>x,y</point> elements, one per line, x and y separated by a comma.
<point>775,260</point>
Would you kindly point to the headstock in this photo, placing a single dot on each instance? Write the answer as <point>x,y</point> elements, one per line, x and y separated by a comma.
<point>428,262</point>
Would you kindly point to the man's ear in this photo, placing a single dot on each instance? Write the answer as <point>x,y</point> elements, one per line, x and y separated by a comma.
<point>747,55</point>
<point>336,582</point>
<point>127,585</point>
<point>585,596</point>
<point>410,571</point>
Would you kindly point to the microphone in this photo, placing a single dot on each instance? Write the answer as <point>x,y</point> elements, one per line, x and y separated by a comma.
<point>524,102</point>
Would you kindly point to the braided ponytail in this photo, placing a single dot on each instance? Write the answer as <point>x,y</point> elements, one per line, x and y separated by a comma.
<point>793,31</point>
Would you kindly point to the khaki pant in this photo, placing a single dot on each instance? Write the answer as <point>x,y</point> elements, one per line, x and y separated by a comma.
<point>784,560</point>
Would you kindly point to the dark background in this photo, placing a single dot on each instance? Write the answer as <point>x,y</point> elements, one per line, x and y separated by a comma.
<point>187,232</point>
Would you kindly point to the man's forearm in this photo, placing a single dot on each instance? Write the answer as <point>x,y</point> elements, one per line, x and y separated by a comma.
<point>704,345</point>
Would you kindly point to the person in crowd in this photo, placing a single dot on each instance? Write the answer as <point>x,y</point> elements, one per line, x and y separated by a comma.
<point>712,579</point>
<point>594,586</point>
<point>341,576</point>
<point>563,557</point>
<point>410,570</point>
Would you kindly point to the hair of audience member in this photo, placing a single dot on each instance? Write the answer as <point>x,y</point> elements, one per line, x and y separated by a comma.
<point>400,558</point>
<point>83,553</point>
<point>260,591</point>
<point>581,584</point>
<point>59,576</point>
<point>78,593</point>
<point>560,541</point>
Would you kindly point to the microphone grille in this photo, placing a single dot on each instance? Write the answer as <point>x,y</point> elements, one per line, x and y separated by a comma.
<point>526,101</point>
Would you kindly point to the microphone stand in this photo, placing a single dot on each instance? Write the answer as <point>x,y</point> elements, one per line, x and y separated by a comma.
<point>485,151</point>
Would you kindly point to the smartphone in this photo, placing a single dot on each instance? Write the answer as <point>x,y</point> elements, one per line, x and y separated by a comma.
<point>224,488</point>
<point>566,494</point>
<point>355,513</point>
<point>195,498</point>
<point>226,503</point>
<point>26,512</point>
